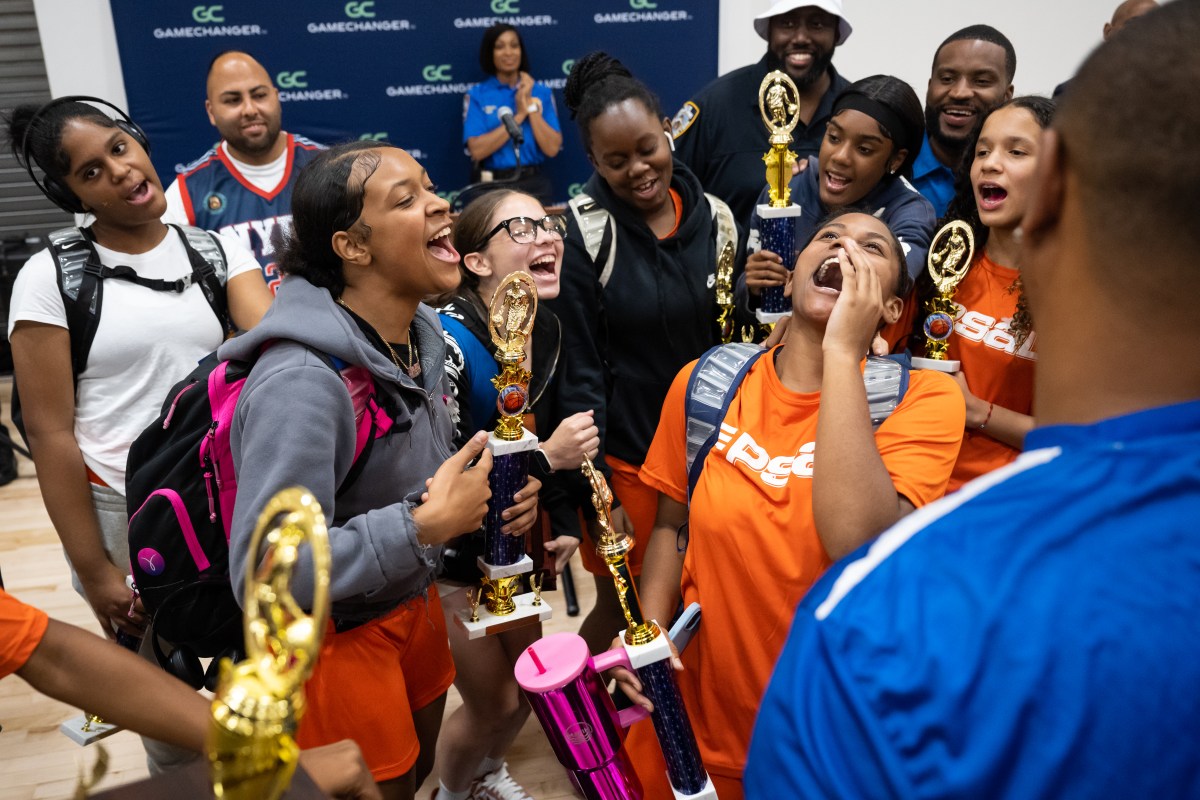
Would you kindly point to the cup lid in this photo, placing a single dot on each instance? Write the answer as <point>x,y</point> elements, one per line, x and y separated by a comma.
<point>551,662</point>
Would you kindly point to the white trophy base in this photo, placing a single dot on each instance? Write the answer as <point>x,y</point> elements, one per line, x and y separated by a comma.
<point>493,573</point>
<point>503,447</point>
<point>641,655</point>
<point>709,792</point>
<point>73,730</point>
<point>941,365</point>
<point>488,624</point>
<point>767,318</point>
<point>768,211</point>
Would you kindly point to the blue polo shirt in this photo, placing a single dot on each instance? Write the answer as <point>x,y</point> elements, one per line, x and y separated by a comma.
<point>1036,634</point>
<point>481,114</point>
<point>933,179</point>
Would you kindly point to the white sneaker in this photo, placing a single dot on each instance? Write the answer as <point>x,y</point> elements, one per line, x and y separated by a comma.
<point>498,785</point>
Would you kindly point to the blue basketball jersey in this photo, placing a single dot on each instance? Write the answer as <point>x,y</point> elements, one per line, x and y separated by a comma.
<point>217,197</point>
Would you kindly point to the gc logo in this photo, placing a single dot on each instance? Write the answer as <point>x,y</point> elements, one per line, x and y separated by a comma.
<point>642,4</point>
<point>568,65</point>
<point>574,190</point>
<point>292,80</point>
<point>436,72</point>
<point>358,10</point>
<point>208,13</point>
<point>374,137</point>
<point>449,197</point>
<point>505,7</point>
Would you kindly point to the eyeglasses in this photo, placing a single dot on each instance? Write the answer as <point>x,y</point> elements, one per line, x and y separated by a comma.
<point>523,230</point>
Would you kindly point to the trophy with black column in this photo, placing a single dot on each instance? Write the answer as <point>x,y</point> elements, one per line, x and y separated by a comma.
<point>779,104</point>
<point>950,255</point>
<point>565,689</point>
<point>510,322</point>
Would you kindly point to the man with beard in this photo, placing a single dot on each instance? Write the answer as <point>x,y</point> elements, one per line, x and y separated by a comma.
<point>720,134</point>
<point>972,74</point>
<point>243,185</point>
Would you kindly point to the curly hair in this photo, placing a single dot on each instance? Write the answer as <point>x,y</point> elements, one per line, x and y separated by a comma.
<point>963,207</point>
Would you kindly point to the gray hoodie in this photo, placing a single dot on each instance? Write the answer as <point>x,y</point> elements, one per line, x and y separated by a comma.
<point>294,426</point>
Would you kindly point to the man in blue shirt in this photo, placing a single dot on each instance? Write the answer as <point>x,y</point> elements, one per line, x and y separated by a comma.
<point>1035,634</point>
<point>972,74</point>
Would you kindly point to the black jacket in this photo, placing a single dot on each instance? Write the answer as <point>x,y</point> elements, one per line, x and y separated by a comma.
<point>624,343</point>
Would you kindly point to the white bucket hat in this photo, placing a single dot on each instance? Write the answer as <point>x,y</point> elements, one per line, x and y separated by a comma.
<point>784,6</point>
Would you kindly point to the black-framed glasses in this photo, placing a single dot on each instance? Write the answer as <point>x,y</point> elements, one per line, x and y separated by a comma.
<point>523,230</point>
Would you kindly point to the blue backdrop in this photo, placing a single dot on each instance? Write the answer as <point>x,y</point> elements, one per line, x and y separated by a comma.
<point>395,70</point>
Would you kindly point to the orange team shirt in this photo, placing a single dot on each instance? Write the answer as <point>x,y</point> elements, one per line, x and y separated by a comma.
<point>21,630</point>
<point>996,370</point>
<point>753,549</point>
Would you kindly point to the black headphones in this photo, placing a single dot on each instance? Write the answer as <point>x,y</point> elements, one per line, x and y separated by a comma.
<point>53,188</point>
<point>183,663</point>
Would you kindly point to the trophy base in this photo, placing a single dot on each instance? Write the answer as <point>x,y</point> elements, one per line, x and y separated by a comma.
<point>489,624</point>
<point>709,792</point>
<point>493,572</point>
<point>641,655</point>
<point>73,730</point>
<point>940,365</point>
<point>502,447</point>
<point>770,317</point>
<point>768,211</point>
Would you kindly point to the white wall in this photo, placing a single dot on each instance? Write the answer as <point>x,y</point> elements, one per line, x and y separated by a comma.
<point>897,37</point>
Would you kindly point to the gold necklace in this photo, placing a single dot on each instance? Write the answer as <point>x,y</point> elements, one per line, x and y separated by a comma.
<point>413,368</point>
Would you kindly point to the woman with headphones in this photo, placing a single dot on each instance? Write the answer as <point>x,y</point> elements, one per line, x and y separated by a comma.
<point>102,324</point>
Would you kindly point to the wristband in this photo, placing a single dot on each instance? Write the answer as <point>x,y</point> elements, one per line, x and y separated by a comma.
<point>533,107</point>
<point>988,418</point>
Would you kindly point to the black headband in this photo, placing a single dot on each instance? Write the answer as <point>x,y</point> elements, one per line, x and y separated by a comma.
<point>892,123</point>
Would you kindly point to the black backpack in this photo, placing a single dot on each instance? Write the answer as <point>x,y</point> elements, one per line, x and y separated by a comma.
<point>180,489</point>
<point>81,279</point>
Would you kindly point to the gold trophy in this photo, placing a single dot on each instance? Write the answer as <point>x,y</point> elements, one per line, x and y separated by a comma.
<point>251,750</point>
<point>647,651</point>
<point>511,315</point>
<point>950,256</point>
<point>779,104</point>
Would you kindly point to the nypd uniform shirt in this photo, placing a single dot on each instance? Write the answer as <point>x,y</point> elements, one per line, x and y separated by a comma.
<point>1035,635</point>
<point>215,195</point>
<point>720,135</point>
<point>481,114</point>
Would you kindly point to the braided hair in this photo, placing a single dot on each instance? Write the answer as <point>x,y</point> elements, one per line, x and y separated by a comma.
<point>596,83</point>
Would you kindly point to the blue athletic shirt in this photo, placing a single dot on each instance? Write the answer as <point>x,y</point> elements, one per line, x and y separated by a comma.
<point>217,197</point>
<point>481,114</point>
<point>1036,635</point>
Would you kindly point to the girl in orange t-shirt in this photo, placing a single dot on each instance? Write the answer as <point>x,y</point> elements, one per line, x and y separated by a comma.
<point>991,335</point>
<point>797,479</point>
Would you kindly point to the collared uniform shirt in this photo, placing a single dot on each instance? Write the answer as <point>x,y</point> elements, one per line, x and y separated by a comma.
<point>481,114</point>
<point>933,179</point>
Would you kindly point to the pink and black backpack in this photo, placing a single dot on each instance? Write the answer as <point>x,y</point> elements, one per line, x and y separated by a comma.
<point>180,491</point>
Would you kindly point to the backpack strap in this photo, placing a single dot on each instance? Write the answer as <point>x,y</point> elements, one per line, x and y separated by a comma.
<point>886,380</point>
<point>727,233</point>
<point>710,390</point>
<point>82,291</point>
<point>370,420</point>
<point>210,269</point>
<point>599,234</point>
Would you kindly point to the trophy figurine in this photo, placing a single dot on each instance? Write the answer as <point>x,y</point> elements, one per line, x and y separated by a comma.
<point>950,256</point>
<point>567,694</point>
<point>258,702</point>
<point>510,321</point>
<point>779,104</point>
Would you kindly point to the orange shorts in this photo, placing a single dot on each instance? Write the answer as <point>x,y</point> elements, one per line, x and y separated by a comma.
<point>369,680</point>
<point>646,755</point>
<point>640,503</point>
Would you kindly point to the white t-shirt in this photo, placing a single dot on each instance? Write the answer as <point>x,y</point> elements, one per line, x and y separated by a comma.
<point>265,177</point>
<point>146,342</point>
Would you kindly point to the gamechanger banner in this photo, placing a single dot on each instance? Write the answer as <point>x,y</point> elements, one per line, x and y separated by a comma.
<point>395,69</point>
